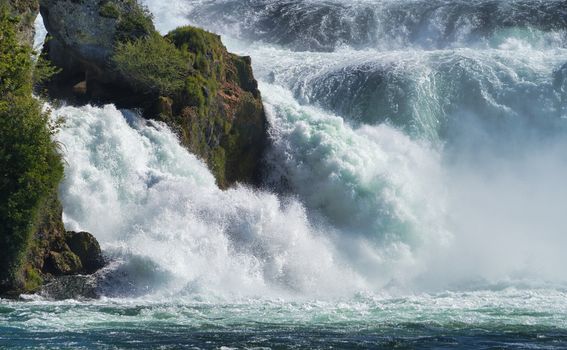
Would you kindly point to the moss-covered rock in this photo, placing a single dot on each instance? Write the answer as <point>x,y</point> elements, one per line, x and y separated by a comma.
<point>32,233</point>
<point>187,79</point>
<point>220,113</point>
<point>65,263</point>
<point>85,246</point>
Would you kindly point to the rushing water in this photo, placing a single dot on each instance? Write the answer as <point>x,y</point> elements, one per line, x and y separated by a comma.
<point>415,195</point>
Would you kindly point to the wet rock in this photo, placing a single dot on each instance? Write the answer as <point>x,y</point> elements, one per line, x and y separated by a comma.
<point>85,246</point>
<point>71,287</point>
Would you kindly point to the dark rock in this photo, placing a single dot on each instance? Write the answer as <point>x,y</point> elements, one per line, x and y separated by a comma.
<point>85,246</point>
<point>71,287</point>
<point>165,106</point>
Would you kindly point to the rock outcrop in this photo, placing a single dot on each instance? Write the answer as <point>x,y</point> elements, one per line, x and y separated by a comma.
<point>34,245</point>
<point>55,252</point>
<point>109,52</point>
<point>84,32</point>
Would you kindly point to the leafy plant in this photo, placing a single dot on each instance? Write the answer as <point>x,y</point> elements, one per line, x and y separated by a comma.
<point>152,64</point>
<point>134,23</point>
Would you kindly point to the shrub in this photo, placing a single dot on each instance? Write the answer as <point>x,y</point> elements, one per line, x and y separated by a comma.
<point>152,65</point>
<point>30,166</point>
<point>109,10</point>
<point>135,23</point>
<point>206,48</point>
<point>194,92</point>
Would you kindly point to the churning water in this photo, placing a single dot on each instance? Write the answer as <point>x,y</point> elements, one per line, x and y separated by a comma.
<point>415,194</point>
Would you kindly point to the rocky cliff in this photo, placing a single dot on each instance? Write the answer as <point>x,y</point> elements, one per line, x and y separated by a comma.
<point>110,52</point>
<point>34,245</point>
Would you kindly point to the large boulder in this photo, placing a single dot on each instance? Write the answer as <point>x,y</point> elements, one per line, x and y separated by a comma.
<point>110,52</point>
<point>84,32</point>
<point>85,246</point>
<point>57,252</point>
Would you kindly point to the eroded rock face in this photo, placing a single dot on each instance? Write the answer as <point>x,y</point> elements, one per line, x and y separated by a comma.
<point>64,263</point>
<point>84,32</point>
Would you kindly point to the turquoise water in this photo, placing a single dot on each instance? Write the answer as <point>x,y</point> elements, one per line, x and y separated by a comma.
<point>504,319</point>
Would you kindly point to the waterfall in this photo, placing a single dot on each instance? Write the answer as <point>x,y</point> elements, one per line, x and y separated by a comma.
<point>397,160</point>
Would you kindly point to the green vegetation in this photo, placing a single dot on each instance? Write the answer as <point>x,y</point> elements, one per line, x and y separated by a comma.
<point>152,65</point>
<point>186,64</point>
<point>32,279</point>
<point>109,10</point>
<point>134,23</point>
<point>30,165</point>
<point>205,48</point>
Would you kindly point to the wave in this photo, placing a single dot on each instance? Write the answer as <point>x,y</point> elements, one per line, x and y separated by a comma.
<point>386,25</point>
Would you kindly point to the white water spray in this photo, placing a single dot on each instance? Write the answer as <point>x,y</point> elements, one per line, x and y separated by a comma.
<point>457,194</point>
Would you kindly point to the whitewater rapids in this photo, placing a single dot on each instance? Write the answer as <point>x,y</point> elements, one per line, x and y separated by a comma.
<point>415,193</point>
<point>405,163</point>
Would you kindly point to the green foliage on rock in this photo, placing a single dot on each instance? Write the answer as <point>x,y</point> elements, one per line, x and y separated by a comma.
<point>109,10</point>
<point>134,22</point>
<point>32,279</point>
<point>27,11</point>
<point>194,94</point>
<point>206,49</point>
<point>30,165</point>
<point>151,65</point>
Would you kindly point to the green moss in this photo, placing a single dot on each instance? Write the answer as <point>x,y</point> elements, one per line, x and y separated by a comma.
<point>206,48</point>
<point>30,165</point>
<point>194,94</point>
<point>33,279</point>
